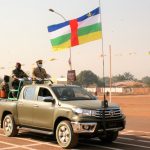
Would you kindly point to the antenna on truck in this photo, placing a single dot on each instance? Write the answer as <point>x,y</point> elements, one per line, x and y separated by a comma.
<point>104,102</point>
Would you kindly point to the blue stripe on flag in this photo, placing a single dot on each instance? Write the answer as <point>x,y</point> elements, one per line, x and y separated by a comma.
<point>57,26</point>
<point>93,13</point>
<point>66,23</point>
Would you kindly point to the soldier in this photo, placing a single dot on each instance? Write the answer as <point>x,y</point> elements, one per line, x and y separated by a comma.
<point>39,73</point>
<point>17,74</point>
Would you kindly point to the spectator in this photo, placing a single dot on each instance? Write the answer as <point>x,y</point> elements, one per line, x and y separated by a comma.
<point>5,87</point>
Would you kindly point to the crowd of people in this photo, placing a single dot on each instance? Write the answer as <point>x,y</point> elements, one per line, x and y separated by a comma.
<point>38,76</point>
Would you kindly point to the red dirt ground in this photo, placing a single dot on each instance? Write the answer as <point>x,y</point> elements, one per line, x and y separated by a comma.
<point>137,110</point>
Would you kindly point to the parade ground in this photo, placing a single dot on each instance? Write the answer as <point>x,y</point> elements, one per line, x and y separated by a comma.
<point>136,136</point>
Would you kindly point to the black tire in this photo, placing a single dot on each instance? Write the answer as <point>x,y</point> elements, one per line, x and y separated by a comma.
<point>9,126</point>
<point>109,137</point>
<point>65,136</point>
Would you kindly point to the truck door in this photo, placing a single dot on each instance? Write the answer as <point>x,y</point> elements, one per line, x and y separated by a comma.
<point>25,106</point>
<point>43,112</point>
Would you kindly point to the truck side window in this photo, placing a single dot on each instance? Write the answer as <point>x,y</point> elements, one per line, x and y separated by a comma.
<point>43,92</point>
<point>29,93</point>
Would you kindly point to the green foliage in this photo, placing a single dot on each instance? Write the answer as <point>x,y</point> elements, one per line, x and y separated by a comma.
<point>127,76</point>
<point>87,78</point>
<point>104,82</point>
<point>146,80</point>
<point>1,80</point>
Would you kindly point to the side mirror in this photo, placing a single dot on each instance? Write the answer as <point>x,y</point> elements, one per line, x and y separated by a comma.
<point>48,99</point>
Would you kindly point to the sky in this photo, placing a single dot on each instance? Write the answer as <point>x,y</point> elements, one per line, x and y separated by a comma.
<point>125,26</point>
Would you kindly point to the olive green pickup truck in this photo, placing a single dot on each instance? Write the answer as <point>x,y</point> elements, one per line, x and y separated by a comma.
<point>67,111</point>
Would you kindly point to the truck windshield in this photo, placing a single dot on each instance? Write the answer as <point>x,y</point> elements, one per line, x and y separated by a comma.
<point>65,93</point>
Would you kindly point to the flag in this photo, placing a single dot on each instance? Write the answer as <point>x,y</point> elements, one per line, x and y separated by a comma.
<point>148,53</point>
<point>52,59</point>
<point>77,31</point>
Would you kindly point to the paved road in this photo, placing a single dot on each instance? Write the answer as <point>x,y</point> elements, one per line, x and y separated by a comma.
<point>127,140</point>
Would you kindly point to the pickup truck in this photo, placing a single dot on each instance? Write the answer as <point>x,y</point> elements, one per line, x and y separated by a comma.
<point>66,111</point>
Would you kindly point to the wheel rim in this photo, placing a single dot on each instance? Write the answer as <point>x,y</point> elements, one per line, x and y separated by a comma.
<point>64,134</point>
<point>8,125</point>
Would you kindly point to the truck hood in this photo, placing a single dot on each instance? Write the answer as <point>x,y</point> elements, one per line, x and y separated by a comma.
<point>86,104</point>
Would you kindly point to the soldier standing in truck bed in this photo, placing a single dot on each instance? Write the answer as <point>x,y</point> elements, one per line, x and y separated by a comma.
<point>39,73</point>
<point>17,73</point>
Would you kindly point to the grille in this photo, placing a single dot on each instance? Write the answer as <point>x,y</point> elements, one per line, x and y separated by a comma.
<point>109,113</point>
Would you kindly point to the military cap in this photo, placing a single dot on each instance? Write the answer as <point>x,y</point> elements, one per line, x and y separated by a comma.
<point>39,61</point>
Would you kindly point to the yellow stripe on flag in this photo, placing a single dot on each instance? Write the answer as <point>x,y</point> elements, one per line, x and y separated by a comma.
<point>62,46</point>
<point>90,37</point>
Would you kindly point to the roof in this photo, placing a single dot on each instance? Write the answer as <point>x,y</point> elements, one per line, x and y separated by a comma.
<point>53,85</point>
<point>128,84</point>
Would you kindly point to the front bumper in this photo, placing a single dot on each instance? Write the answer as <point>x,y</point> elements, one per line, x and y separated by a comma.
<point>84,127</point>
<point>93,127</point>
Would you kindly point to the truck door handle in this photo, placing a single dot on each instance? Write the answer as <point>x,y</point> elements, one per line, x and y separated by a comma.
<point>35,105</point>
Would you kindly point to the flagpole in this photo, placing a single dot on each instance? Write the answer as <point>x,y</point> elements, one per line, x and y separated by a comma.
<point>103,55</point>
<point>70,61</point>
<point>110,82</point>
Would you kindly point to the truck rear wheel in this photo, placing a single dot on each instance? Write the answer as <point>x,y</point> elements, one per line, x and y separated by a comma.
<point>109,137</point>
<point>9,126</point>
<point>65,136</point>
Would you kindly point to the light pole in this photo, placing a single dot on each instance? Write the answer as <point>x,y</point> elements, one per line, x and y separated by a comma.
<point>70,62</point>
<point>110,81</point>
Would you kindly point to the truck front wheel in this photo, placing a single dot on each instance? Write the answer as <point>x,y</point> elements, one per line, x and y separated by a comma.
<point>65,136</point>
<point>9,126</point>
<point>109,137</point>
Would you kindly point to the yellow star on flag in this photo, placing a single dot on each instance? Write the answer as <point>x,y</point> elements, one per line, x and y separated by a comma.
<point>89,14</point>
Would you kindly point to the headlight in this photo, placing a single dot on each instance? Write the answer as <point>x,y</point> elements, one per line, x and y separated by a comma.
<point>84,112</point>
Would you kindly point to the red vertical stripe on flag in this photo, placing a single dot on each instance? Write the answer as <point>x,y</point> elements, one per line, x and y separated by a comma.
<point>74,32</point>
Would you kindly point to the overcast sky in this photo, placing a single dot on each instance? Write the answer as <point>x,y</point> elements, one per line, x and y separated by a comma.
<point>126,26</point>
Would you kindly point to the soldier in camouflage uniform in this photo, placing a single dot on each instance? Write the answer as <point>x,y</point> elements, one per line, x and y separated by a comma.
<point>16,74</point>
<point>39,73</point>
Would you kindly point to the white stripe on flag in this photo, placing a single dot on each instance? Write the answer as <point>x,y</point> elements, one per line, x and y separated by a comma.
<point>89,21</point>
<point>59,32</point>
<point>66,30</point>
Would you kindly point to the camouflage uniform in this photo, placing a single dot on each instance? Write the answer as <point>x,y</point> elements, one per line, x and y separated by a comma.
<point>18,73</point>
<point>39,73</point>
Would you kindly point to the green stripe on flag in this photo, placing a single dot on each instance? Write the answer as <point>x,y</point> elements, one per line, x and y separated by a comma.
<point>81,31</point>
<point>61,39</point>
<point>89,29</point>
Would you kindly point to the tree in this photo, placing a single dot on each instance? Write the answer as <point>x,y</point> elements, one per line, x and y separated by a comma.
<point>104,82</point>
<point>127,76</point>
<point>87,78</point>
<point>118,78</point>
<point>146,80</point>
<point>1,79</point>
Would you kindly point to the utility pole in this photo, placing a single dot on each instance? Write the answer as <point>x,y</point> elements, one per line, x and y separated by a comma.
<point>110,77</point>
